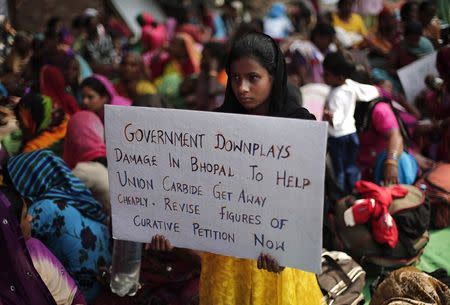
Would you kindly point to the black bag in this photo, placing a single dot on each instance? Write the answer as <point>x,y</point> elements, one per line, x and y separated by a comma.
<point>412,216</point>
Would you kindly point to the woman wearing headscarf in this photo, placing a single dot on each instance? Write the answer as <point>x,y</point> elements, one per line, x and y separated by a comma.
<point>66,218</point>
<point>132,83</point>
<point>42,127</point>
<point>97,91</point>
<point>59,283</point>
<point>168,70</point>
<point>85,154</point>
<point>257,85</point>
<point>381,40</point>
<point>153,35</point>
<point>53,85</point>
<point>20,283</point>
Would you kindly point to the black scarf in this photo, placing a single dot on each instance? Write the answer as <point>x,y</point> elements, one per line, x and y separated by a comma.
<point>283,102</point>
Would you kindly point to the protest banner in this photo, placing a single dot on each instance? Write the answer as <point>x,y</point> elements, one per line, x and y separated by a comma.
<point>236,185</point>
<point>413,75</point>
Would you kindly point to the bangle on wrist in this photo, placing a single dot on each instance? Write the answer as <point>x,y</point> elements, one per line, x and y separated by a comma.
<point>392,156</point>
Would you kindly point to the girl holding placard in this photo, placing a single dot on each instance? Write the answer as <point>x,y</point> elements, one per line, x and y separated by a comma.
<point>257,84</point>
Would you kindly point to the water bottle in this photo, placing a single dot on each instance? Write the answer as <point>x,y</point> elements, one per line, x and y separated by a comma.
<point>126,267</point>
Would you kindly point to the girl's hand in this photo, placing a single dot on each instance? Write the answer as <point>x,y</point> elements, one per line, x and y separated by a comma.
<point>159,243</point>
<point>267,262</point>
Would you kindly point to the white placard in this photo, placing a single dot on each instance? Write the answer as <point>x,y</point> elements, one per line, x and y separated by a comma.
<point>413,75</point>
<point>232,184</point>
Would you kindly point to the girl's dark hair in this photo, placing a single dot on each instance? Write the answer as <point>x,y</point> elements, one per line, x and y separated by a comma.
<point>244,29</point>
<point>267,53</point>
<point>339,63</point>
<point>257,46</point>
<point>95,85</point>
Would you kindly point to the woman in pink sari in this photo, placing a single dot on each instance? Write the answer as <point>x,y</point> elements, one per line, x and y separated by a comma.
<point>85,154</point>
<point>97,91</point>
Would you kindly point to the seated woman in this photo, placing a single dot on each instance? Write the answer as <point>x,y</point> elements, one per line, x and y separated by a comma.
<point>381,41</point>
<point>97,91</point>
<point>434,139</point>
<point>133,84</point>
<point>74,69</point>
<point>413,47</point>
<point>305,57</point>
<point>53,85</point>
<point>170,68</point>
<point>430,22</point>
<point>42,126</point>
<point>66,218</point>
<point>350,27</point>
<point>85,154</point>
<point>205,90</point>
<point>383,142</point>
<point>20,283</point>
<point>58,281</point>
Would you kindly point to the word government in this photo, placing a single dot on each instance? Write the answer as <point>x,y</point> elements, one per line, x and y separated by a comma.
<point>159,136</point>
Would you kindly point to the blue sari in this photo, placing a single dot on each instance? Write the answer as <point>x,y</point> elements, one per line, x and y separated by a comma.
<point>66,218</point>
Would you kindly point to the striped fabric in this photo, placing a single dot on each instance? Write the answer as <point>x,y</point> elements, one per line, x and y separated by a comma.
<point>41,175</point>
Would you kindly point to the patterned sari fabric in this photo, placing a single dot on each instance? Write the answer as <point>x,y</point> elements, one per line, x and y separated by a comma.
<point>66,218</point>
<point>411,286</point>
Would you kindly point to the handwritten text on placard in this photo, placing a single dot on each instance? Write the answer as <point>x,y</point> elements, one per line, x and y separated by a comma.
<point>231,184</point>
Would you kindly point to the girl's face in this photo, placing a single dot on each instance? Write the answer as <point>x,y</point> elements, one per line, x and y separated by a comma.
<point>251,84</point>
<point>25,222</point>
<point>93,101</point>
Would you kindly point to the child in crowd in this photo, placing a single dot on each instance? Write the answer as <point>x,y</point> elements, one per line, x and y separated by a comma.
<point>343,142</point>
